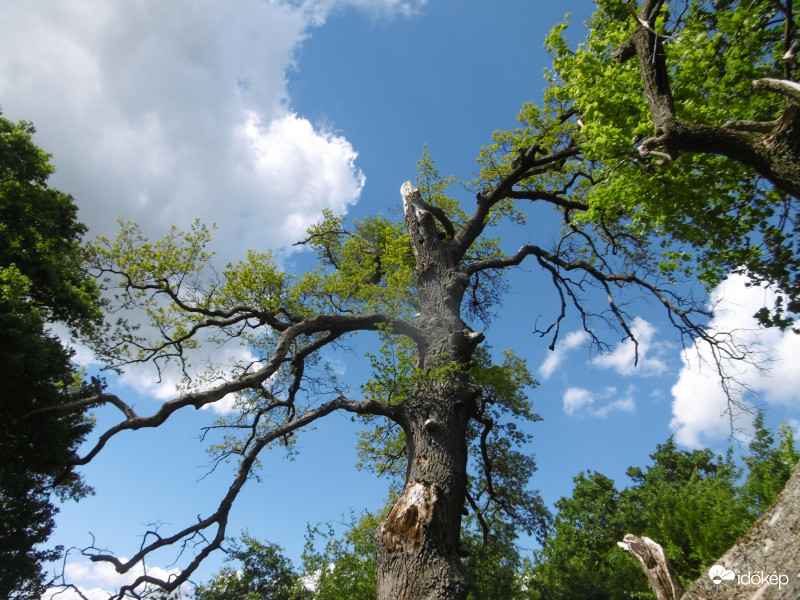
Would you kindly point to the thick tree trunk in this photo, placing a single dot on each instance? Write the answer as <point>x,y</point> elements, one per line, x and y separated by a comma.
<point>418,542</point>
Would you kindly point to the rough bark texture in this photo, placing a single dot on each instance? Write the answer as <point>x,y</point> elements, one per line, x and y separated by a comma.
<point>418,542</point>
<point>766,561</point>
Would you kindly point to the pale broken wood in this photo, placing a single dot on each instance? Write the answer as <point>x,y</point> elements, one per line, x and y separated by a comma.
<point>404,528</point>
<point>655,564</point>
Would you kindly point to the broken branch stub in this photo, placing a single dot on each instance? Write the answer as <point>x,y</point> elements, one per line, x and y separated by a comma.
<point>655,564</point>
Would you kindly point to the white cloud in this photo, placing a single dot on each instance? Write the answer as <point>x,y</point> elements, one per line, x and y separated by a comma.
<point>699,403</point>
<point>210,365</point>
<point>584,403</point>
<point>99,580</point>
<point>559,353</point>
<point>161,112</point>
<point>575,399</point>
<point>623,358</point>
<point>385,7</point>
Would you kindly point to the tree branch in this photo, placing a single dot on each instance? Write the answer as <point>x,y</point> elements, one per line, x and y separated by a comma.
<point>220,516</point>
<point>322,323</point>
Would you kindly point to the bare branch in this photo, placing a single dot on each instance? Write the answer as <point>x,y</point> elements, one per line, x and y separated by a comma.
<point>782,86</point>
<point>339,324</point>
<point>220,517</point>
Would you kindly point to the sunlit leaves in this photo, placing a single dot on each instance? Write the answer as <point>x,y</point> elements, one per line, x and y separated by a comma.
<point>367,269</point>
<point>712,214</point>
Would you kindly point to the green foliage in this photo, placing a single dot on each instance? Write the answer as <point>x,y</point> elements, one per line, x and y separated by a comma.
<point>42,280</point>
<point>367,269</point>
<point>712,215</point>
<point>344,567</point>
<point>692,503</point>
<point>262,573</point>
<point>769,466</point>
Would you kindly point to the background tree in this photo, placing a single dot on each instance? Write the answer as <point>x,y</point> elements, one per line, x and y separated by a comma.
<point>43,280</point>
<point>694,504</point>
<point>630,227</point>
<point>263,573</point>
<point>344,567</point>
<point>769,466</point>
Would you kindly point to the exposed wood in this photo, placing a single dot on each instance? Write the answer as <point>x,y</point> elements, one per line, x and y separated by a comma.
<point>655,564</point>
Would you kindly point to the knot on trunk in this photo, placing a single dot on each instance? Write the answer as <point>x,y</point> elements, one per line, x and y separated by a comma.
<point>404,528</point>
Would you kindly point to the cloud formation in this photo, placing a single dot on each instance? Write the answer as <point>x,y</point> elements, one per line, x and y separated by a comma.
<point>623,359</point>
<point>96,581</point>
<point>700,406</point>
<point>161,112</point>
<point>557,356</point>
<point>580,402</point>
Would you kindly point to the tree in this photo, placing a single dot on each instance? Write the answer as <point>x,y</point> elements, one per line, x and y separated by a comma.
<point>769,466</point>
<point>694,504</point>
<point>265,574</point>
<point>426,284</point>
<point>344,568</point>
<point>43,280</point>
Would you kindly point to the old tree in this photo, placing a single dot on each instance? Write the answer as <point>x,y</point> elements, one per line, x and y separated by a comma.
<point>668,147</point>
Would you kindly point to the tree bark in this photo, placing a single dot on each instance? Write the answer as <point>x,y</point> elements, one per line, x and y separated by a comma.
<point>766,561</point>
<point>418,542</point>
<point>656,566</point>
<point>764,564</point>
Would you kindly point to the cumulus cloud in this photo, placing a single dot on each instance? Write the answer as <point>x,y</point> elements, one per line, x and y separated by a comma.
<point>700,406</point>
<point>162,112</point>
<point>581,402</point>
<point>623,358</point>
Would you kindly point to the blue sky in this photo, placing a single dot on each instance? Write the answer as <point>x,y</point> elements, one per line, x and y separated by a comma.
<point>257,115</point>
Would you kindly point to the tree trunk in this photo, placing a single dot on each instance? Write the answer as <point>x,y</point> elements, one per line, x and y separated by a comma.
<point>765,563</point>
<point>418,542</point>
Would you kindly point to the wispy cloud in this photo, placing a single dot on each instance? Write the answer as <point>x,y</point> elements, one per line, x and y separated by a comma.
<point>557,356</point>
<point>580,402</point>
<point>623,358</point>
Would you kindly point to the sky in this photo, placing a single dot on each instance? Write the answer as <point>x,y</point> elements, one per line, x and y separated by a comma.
<point>256,115</point>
